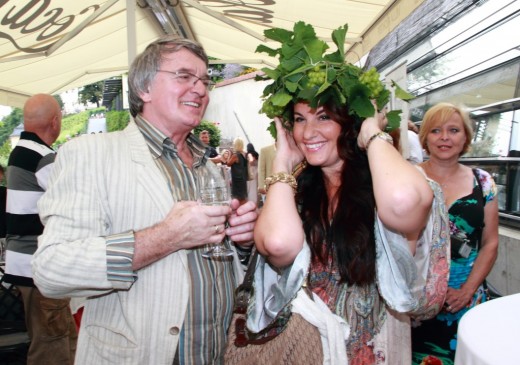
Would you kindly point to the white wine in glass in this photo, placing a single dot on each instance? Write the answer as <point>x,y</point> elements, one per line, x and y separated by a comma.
<point>214,189</point>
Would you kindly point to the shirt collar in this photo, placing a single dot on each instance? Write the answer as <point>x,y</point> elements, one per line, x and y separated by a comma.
<point>156,141</point>
<point>33,137</point>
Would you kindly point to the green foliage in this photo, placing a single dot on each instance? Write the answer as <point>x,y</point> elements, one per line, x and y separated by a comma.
<point>92,93</point>
<point>59,100</point>
<point>214,132</point>
<point>394,120</point>
<point>306,73</point>
<point>117,120</point>
<point>217,70</point>
<point>9,123</point>
<point>96,111</point>
<point>401,93</point>
<point>72,125</point>
<point>5,151</point>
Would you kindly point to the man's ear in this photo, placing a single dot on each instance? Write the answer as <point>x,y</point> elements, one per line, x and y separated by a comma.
<point>55,123</point>
<point>145,97</point>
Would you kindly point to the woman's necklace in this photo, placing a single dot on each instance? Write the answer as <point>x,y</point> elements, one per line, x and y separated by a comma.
<point>442,182</point>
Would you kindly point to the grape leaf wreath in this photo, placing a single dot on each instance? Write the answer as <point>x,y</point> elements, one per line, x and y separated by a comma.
<point>306,73</point>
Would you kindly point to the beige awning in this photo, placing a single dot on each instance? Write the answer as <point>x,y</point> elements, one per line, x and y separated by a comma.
<point>53,46</point>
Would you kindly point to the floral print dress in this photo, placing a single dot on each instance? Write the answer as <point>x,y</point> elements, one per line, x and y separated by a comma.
<point>363,308</point>
<point>438,336</point>
<point>379,327</point>
<point>378,315</point>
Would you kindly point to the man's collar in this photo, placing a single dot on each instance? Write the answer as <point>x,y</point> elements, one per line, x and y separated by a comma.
<point>156,139</point>
<point>33,137</point>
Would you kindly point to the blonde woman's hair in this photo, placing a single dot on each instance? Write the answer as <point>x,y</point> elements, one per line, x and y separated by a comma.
<point>238,144</point>
<point>224,151</point>
<point>438,115</point>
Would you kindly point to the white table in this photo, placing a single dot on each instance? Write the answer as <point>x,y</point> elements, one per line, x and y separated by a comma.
<point>489,334</point>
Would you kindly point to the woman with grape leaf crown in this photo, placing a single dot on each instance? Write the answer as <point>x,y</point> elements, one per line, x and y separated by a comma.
<point>374,225</point>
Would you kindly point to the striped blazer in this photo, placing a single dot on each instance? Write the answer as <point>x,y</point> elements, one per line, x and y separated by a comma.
<point>106,184</point>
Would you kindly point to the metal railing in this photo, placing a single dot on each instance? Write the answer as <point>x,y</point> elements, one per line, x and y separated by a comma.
<point>506,173</point>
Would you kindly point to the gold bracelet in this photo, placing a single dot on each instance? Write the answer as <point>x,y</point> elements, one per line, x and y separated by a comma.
<point>383,135</point>
<point>282,177</point>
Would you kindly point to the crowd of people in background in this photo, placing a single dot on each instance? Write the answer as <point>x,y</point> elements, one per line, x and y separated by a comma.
<point>241,166</point>
<point>88,235</point>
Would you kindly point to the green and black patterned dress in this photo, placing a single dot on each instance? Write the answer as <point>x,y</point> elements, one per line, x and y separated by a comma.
<point>438,336</point>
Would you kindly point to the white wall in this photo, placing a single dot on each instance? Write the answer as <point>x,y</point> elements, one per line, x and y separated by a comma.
<point>505,275</point>
<point>239,99</point>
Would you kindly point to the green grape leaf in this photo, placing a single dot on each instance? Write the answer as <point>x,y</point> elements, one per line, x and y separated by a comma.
<point>273,74</point>
<point>294,77</point>
<point>360,102</point>
<point>261,78</point>
<point>323,87</point>
<point>278,34</point>
<point>302,69</point>
<point>299,76</point>
<point>338,96</point>
<point>338,37</point>
<point>303,32</point>
<point>291,86</point>
<point>346,84</point>
<point>307,94</point>
<point>281,98</point>
<point>331,75</point>
<point>401,93</point>
<point>326,95</point>
<point>335,57</point>
<point>293,63</point>
<point>262,48</point>
<point>314,102</point>
<point>272,129</point>
<point>382,99</point>
<point>270,89</point>
<point>394,120</point>
<point>289,51</point>
<point>315,49</point>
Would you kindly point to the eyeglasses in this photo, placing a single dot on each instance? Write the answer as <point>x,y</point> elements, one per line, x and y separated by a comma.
<point>184,77</point>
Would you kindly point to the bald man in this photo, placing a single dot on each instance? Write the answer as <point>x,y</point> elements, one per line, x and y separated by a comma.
<point>50,324</point>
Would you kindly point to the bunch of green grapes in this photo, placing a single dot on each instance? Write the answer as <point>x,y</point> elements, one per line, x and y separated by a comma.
<point>317,76</point>
<point>371,80</point>
<point>271,110</point>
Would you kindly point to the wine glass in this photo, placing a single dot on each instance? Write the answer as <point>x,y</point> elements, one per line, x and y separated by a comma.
<point>214,189</point>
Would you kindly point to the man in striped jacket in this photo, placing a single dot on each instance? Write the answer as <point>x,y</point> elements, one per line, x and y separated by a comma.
<point>49,321</point>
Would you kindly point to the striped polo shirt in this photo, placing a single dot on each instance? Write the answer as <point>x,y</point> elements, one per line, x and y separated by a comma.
<point>28,171</point>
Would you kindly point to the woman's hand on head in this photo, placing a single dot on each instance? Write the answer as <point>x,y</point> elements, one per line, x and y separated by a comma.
<point>372,125</point>
<point>288,154</point>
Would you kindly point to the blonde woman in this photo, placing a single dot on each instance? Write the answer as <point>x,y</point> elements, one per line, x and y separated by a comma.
<point>446,134</point>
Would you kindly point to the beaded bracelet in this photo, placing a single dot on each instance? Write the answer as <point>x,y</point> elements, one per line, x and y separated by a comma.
<point>383,135</point>
<point>282,177</point>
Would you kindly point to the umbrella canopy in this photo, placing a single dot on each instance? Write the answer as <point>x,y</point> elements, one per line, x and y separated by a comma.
<point>52,46</point>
